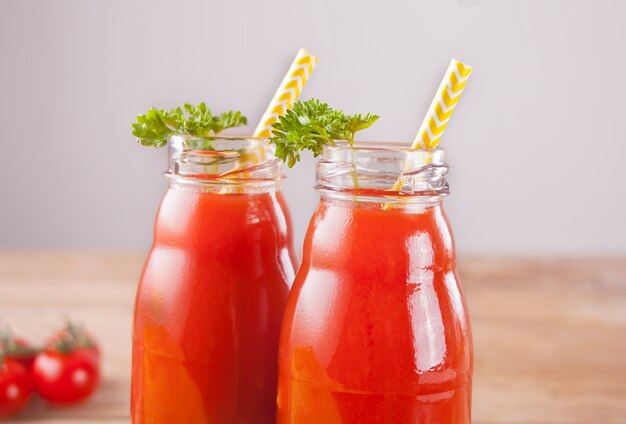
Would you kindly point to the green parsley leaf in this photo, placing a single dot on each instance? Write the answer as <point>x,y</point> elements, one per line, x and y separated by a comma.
<point>157,125</point>
<point>310,125</point>
<point>357,123</point>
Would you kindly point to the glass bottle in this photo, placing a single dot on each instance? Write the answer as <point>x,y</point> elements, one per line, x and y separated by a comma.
<point>212,293</point>
<point>376,327</point>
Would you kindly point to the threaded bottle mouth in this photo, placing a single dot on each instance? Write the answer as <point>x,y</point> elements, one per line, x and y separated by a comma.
<point>382,169</point>
<point>229,161</point>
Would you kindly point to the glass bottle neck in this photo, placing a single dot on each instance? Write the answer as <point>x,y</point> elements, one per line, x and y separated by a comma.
<point>382,174</point>
<point>223,165</point>
<point>189,184</point>
<point>413,204</point>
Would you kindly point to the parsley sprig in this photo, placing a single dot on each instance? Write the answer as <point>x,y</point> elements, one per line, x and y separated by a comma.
<point>310,125</point>
<point>157,125</point>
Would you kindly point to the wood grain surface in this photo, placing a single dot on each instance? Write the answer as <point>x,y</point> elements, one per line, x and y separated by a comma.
<point>549,334</point>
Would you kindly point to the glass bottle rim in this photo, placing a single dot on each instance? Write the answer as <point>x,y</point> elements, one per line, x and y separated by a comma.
<point>386,171</point>
<point>251,140</point>
<point>391,146</point>
<point>224,163</point>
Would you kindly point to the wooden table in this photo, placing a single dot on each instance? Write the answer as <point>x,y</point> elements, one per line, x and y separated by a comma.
<point>550,335</point>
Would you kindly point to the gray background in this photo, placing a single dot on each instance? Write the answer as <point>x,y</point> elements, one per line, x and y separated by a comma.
<point>536,146</point>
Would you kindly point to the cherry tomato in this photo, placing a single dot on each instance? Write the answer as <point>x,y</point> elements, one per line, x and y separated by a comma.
<point>68,370</point>
<point>66,378</point>
<point>16,387</point>
<point>23,353</point>
<point>16,347</point>
<point>74,336</point>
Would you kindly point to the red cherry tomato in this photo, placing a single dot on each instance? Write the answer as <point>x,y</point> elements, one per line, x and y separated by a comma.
<point>66,378</point>
<point>74,336</point>
<point>16,387</point>
<point>23,353</point>
<point>16,347</point>
<point>68,370</point>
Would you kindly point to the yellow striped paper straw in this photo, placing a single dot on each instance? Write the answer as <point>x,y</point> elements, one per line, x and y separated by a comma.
<point>440,111</point>
<point>442,106</point>
<point>299,72</point>
<point>288,91</point>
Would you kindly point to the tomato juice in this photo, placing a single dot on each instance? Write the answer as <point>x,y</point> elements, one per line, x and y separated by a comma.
<point>209,306</point>
<point>376,328</point>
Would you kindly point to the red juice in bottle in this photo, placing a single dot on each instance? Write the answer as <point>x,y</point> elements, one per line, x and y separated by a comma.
<point>213,290</point>
<point>376,328</point>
